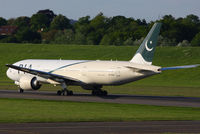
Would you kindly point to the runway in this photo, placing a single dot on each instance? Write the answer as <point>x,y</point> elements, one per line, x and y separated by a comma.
<point>102,127</point>
<point>121,99</point>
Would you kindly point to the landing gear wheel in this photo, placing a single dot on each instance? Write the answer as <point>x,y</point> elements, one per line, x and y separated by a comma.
<point>69,93</point>
<point>21,90</point>
<point>59,92</point>
<point>99,92</point>
<point>104,93</point>
<point>64,90</point>
<point>94,92</point>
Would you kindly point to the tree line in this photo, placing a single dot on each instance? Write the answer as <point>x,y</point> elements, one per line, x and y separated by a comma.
<point>49,28</point>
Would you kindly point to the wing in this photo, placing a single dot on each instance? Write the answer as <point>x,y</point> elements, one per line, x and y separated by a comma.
<point>47,75</point>
<point>178,67</point>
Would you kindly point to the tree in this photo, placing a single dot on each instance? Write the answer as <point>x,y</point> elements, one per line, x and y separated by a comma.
<point>139,32</point>
<point>94,38</point>
<point>10,21</point>
<point>27,35</point>
<point>22,22</point>
<point>49,13</point>
<point>9,39</point>
<point>118,21</point>
<point>39,22</point>
<point>82,21</point>
<point>179,29</point>
<point>98,22</point>
<point>114,38</point>
<point>129,42</point>
<point>98,26</point>
<point>64,37</point>
<point>82,30</point>
<point>2,21</point>
<point>82,26</point>
<point>121,29</point>
<point>141,22</point>
<point>196,40</point>
<point>190,24</point>
<point>80,38</point>
<point>60,22</point>
<point>106,40</point>
<point>192,18</point>
<point>48,37</point>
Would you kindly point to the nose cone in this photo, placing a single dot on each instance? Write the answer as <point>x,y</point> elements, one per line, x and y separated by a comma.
<point>9,73</point>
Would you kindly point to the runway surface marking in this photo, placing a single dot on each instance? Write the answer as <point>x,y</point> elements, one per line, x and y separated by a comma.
<point>122,99</point>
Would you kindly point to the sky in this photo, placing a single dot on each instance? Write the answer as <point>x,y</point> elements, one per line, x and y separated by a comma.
<point>74,9</point>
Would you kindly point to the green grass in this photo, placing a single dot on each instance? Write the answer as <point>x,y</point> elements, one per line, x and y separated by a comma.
<point>170,83</point>
<point>184,82</point>
<point>19,110</point>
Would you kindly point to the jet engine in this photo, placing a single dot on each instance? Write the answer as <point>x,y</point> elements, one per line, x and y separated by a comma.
<point>28,83</point>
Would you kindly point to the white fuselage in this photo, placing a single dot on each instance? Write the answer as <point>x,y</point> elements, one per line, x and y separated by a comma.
<point>90,72</point>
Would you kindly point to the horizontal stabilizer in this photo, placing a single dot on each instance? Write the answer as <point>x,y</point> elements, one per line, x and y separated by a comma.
<point>178,67</point>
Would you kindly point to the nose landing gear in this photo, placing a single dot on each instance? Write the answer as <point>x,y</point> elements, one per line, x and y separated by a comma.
<point>21,90</point>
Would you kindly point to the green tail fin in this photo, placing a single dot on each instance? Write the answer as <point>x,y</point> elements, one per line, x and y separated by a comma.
<point>144,54</point>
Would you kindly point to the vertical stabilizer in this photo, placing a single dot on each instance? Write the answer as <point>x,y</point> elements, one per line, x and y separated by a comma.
<point>145,52</point>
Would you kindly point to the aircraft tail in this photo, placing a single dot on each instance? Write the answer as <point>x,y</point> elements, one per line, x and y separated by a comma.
<point>145,52</point>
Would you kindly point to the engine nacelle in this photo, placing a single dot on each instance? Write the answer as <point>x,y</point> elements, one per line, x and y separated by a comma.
<point>28,83</point>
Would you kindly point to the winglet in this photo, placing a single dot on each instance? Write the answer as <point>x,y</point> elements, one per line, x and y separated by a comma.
<point>144,54</point>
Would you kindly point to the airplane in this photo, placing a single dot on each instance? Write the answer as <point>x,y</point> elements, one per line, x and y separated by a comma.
<point>92,75</point>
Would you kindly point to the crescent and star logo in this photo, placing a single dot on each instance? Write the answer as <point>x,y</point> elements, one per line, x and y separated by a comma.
<point>146,46</point>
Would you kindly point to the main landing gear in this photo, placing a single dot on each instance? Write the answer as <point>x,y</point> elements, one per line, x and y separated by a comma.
<point>64,91</point>
<point>99,92</point>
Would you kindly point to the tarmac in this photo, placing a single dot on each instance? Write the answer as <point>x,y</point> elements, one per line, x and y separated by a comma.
<point>121,99</point>
<point>103,127</point>
<point>139,127</point>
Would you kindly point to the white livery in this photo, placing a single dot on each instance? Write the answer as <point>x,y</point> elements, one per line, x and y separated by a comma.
<point>90,75</point>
